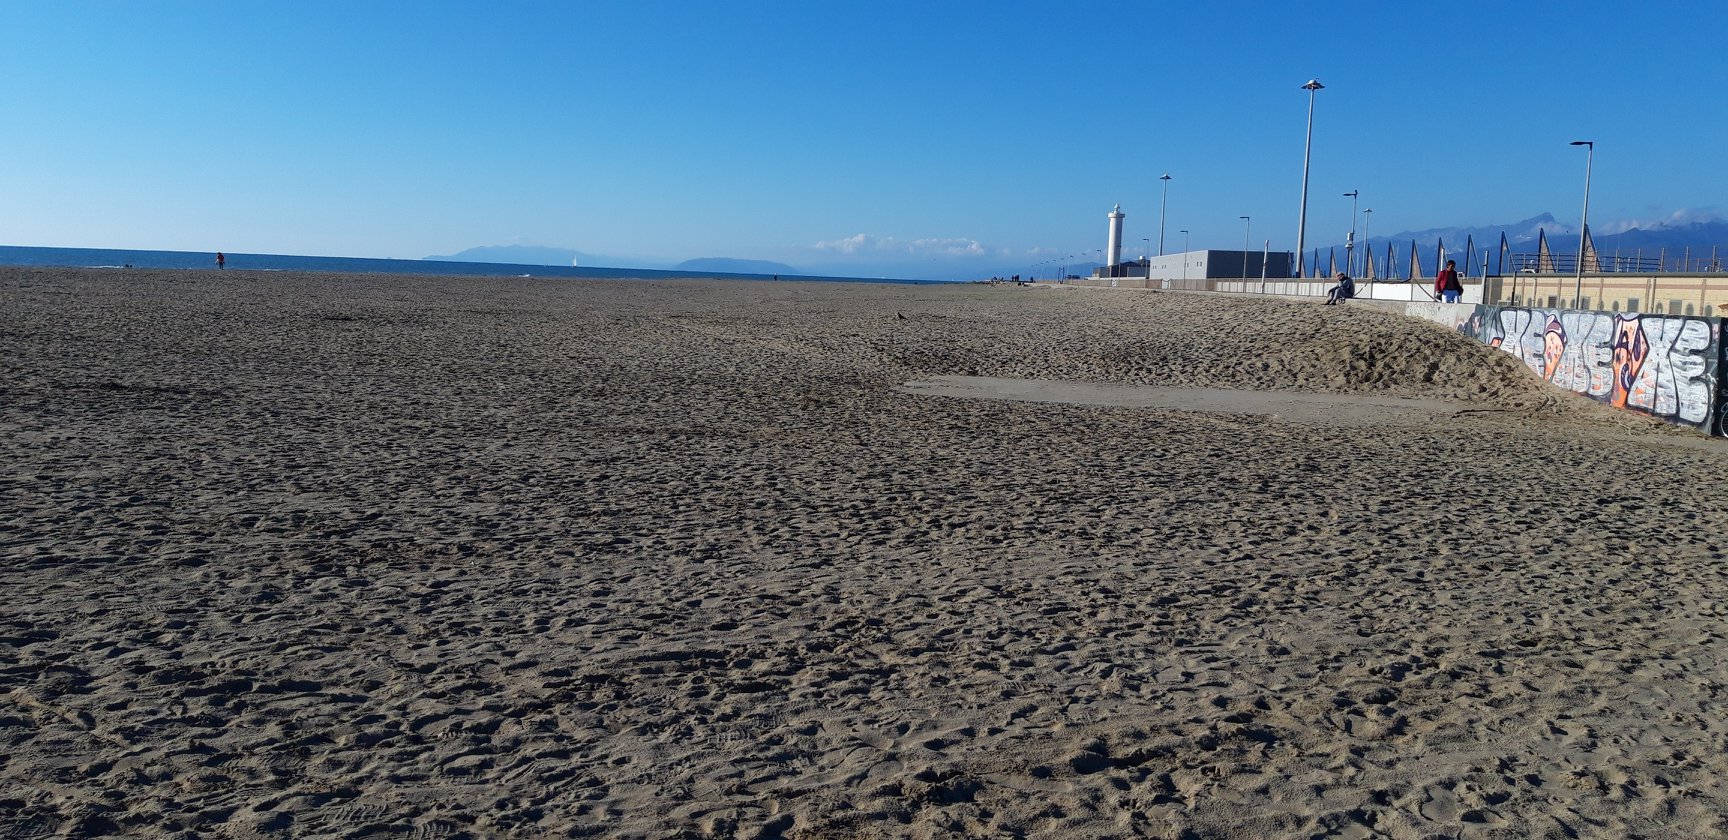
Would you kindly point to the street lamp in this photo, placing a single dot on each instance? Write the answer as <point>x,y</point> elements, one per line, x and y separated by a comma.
<point>1584,222</point>
<point>1367,216</point>
<point>1350,241</point>
<point>1302,220</point>
<point>1247,225</point>
<point>1161,206</point>
<point>1148,250</point>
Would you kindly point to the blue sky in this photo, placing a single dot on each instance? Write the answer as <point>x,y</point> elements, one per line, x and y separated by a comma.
<point>921,138</point>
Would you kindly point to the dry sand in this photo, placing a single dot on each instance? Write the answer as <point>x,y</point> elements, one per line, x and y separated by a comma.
<point>341,556</point>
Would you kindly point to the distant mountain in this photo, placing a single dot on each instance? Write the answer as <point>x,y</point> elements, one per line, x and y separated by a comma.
<point>519,255</point>
<point>542,255</point>
<point>1673,242</point>
<point>1517,235</point>
<point>728,265</point>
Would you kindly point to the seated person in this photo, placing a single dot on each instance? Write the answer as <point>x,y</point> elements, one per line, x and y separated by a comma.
<point>1345,290</point>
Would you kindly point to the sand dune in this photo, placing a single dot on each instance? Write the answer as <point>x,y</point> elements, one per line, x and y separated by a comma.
<point>339,556</point>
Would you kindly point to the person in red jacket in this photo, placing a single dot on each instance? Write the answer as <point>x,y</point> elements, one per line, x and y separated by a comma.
<point>1446,285</point>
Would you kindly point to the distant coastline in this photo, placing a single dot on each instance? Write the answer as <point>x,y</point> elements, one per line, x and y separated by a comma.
<point>20,255</point>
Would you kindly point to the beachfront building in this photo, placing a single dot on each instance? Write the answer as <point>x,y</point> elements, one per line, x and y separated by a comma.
<point>1192,269</point>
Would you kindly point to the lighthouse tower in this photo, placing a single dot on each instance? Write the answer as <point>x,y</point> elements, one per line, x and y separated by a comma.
<point>1114,255</point>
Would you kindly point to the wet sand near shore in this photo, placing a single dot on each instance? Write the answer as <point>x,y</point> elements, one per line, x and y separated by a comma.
<point>341,555</point>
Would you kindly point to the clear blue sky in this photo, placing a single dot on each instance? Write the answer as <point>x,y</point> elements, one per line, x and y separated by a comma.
<point>938,135</point>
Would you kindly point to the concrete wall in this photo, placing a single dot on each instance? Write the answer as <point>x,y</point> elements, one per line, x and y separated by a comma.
<point>1364,290</point>
<point>1663,294</point>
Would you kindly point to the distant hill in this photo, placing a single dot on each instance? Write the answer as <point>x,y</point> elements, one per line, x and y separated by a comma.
<point>1672,241</point>
<point>1518,234</point>
<point>728,265</point>
<point>1700,237</point>
<point>542,255</point>
<point>518,255</point>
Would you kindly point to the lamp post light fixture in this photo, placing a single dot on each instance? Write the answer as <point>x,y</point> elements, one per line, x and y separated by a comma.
<point>1302,219</point>
<point>1584,223</point>
<point>1247,225</point>
<point>1162,205</point>
<point>1350,241</point>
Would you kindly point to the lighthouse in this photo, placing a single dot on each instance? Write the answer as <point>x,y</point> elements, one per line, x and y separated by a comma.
<point>1114,255</point>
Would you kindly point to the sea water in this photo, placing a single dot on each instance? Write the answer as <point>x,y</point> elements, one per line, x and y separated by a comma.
<point>118,258</point>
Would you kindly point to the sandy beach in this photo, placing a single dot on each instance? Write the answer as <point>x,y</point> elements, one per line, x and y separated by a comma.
<point>362,555</point>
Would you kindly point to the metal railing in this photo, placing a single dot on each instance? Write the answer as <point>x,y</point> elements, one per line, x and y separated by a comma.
<point>1661,263</point>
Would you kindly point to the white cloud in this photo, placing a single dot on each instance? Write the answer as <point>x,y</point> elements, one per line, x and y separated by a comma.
<point>864,243</point>
<point>1683,216</point>
<point>849,245</point>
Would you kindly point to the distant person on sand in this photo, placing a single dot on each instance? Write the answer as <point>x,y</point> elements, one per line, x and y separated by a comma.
<point>221,261</point>
<point>1345,290</point>
<point>1446,285</point>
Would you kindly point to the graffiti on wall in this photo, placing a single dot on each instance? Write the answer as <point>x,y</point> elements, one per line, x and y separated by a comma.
<point>1721,429</point>
<point>1662,365</point>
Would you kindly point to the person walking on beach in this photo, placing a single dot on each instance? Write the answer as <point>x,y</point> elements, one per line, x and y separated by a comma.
<point>221,261</point>
<point>1446,285</point>
<point>1345,290</point>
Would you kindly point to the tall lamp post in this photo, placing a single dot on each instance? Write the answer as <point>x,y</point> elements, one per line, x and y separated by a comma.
<point>1247,225</point>
<point>1367,216</point>
<point>1162,205</point>
<point>1584,222</point>
<point>1350,241</point>
<point>1302,220</point>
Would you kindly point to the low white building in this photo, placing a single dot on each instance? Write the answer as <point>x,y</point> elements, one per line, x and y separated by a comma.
<point>1174,269</point>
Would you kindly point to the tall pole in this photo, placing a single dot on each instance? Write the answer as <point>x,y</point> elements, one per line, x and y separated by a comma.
<point>1148,250</point>
<point>1162,205</point>
<point>1350,241</point>
<point>1247,225</point>
<point>1308,146</point>
<point>1584,223</point>
<point>1265,251</point>
<point>1367,216</point>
